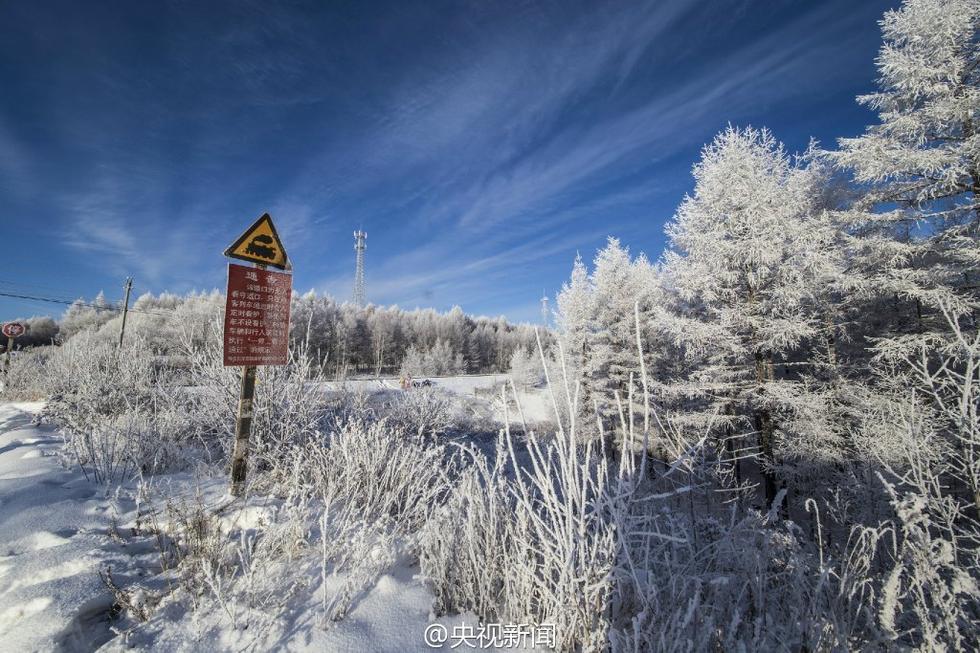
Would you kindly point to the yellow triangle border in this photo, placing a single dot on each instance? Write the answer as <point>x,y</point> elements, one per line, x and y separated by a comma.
<point>230,252</point>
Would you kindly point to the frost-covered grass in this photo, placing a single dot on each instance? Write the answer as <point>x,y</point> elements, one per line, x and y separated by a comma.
<point>592,528</point>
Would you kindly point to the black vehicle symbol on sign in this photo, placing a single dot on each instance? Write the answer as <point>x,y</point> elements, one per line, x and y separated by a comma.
<point>259,246</point>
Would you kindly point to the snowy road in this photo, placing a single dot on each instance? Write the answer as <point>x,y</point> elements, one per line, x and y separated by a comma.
<point>52,542</point>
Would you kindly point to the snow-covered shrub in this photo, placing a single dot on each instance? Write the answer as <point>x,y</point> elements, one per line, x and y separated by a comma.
<point>118,408</point>
<point>289,405</point>
<point>349,507</point>
<point>527,539</point>
<point>127,410</point>
<point>423,412</point>
<point>29,377</point>
<point>352,403</point>
<point>526,368</point>
<point>367,470</point>
<point>466,548</point>
<point>474,417</point>
<point>240,563</point>
<point>929,597</point>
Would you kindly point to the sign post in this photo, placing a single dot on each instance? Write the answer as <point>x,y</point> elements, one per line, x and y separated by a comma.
<point>11,330</point>
<point>243,429</point>
<point>256,328</point>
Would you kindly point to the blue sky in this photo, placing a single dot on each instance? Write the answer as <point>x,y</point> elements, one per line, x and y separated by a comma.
<point>480,144</point>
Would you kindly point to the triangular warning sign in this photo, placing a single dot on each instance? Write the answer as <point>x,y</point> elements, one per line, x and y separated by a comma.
<point>260,244</point>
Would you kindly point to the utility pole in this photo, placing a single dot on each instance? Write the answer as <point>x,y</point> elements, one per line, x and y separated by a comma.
<point>122,329</point>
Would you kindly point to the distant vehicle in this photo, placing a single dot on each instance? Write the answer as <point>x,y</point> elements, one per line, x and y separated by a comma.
<point>259,246</point>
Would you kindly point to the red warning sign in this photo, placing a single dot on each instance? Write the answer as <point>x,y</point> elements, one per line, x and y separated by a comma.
<point>257,316</point>
<point>14,329</point>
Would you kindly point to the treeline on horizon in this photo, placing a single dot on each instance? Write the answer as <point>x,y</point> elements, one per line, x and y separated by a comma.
<point>341,337</point>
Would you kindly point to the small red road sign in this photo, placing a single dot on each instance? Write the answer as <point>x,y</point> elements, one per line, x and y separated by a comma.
<point>256,317</point>
<point>14,329</point>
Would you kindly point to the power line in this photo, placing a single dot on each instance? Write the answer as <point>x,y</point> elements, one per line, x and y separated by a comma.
<point>48,291</point>
<point>60,293</point>
<point>79,302</point>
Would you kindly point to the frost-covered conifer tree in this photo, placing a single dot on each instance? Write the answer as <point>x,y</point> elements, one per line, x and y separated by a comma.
<point>743,267</point>
<point>526,368</point>
<point>918,236</point>
<point>920,220</point>
<point>81,316</point>
<point>573,317</point>
<point>618,283</point>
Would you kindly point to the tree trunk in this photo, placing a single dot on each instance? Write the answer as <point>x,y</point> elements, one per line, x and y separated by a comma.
<point>765,427</point>
<point>733,451</point>
<point>831,343</point>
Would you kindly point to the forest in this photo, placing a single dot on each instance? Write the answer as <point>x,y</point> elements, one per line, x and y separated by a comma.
<point>342,339</point>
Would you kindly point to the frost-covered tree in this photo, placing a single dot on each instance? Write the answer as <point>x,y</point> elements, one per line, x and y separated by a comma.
<point>917,227</point>
<point>920,220</point>
<point>924,150</point>
<point>383,326</point>
<point>573,317</point>
<point>526,368</point>
<point>445,360</point>
<point>440,360</point>
<point>454,329</point>
<point>618,284</point>
<point>742,266</point>
<point>82,315</point>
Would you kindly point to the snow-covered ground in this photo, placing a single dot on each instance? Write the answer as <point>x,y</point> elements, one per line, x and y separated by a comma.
<point>52,540</point>
<point>463,384</point>
<point>535,402</point>
<point>59,530</point>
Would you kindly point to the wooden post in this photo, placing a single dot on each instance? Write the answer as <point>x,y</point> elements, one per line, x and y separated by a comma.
<point>6,356</point>
<point>122,329</point>
<point>243,428</point>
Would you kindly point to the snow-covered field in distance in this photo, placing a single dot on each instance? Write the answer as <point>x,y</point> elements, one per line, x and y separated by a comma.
<point>534,401</point>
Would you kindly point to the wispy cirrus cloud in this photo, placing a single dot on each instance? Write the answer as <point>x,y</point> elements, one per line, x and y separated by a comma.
<point>541,177</point>
<point>479,144</point>
<point>538,133</point>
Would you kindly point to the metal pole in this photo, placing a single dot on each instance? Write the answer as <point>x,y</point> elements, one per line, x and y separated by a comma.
<point>122,329</point>
<point>243,428</point>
